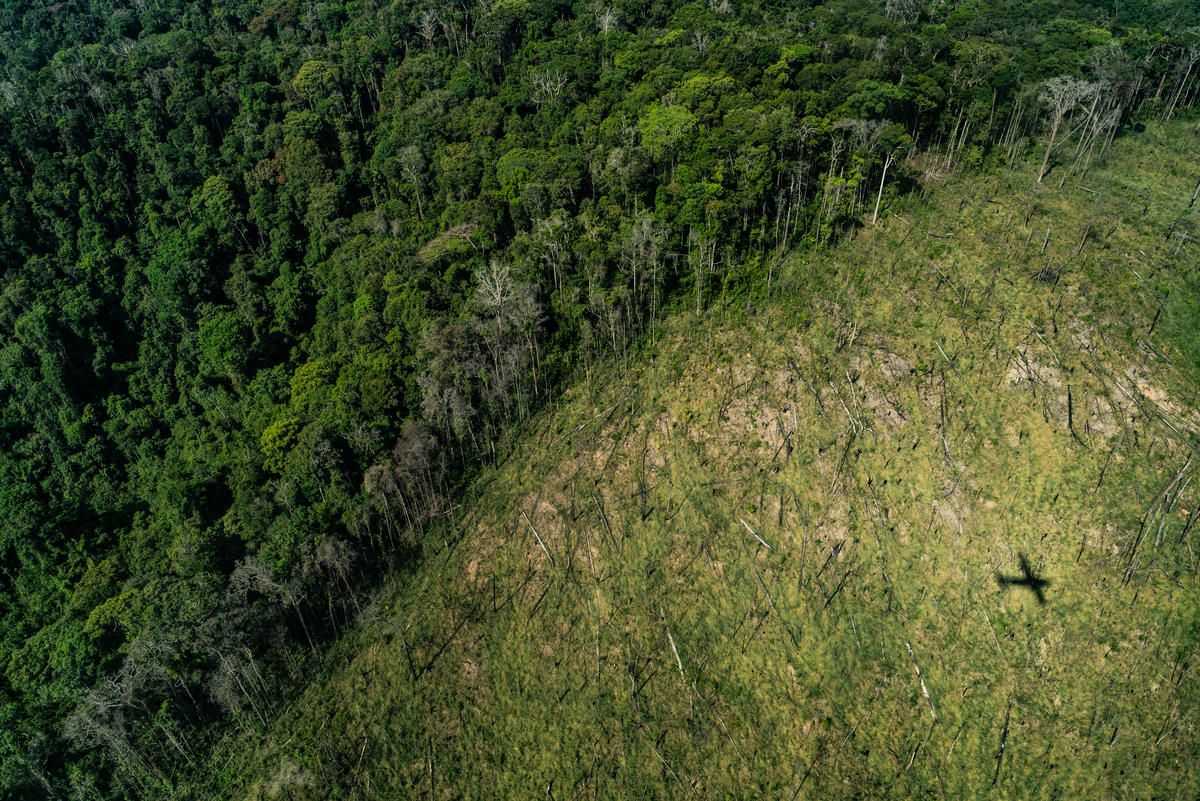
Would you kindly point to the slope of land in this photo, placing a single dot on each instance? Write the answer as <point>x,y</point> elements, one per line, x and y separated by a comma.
<point>761,558</point>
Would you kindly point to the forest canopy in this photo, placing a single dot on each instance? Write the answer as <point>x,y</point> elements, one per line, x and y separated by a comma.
<point>277,278</point>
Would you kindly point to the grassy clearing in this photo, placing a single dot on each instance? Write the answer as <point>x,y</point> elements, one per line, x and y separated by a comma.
<point>760,561</point>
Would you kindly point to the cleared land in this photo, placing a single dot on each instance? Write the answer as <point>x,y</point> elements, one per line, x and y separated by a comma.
<point>760,559</point>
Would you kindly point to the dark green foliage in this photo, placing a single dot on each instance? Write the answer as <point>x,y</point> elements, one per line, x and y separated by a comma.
<point>277,277</point>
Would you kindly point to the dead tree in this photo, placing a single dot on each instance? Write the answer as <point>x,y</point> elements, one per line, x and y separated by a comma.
<point>548,87</point>
<point>1061,95</point>
<point>887,162</point>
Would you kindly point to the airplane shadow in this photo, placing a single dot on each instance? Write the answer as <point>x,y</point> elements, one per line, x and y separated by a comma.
<point>1028,579</point>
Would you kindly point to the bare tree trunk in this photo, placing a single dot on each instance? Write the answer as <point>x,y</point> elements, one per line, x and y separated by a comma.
<point>879,197</point>
<point>1049,147</point>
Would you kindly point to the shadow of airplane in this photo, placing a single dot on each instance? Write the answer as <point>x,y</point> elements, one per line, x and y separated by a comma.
<point>1029,579</point>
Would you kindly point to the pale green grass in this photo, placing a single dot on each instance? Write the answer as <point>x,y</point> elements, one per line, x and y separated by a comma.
<point>755,532</point>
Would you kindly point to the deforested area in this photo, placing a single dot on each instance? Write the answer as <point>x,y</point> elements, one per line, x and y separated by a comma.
<point>787,551</point>
<point>540,399</point>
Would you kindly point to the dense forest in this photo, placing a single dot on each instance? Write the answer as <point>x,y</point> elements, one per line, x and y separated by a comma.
<point>278,278</point>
